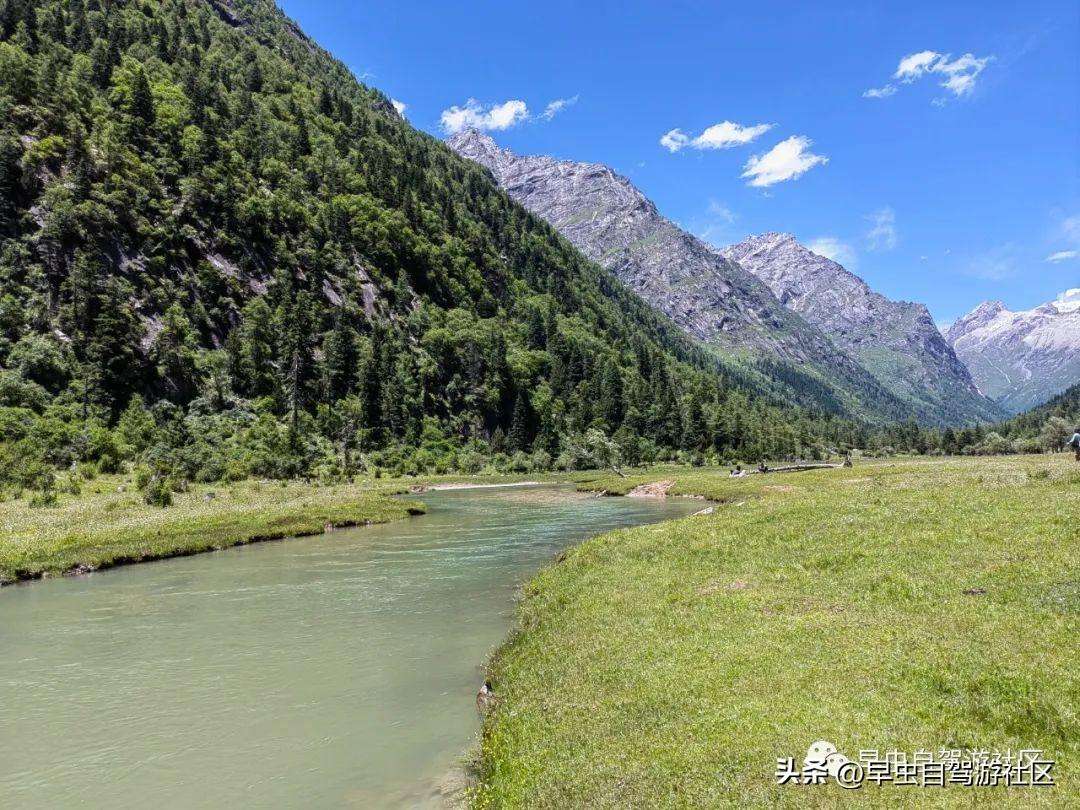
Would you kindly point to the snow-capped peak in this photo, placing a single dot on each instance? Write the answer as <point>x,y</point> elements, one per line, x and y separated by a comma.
<point>1068,301</point>
<point>1021,358</point>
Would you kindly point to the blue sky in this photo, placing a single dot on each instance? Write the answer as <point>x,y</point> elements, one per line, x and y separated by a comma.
<point>954,185</point>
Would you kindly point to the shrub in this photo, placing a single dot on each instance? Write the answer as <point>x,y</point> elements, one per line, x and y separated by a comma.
<point>43,499</point>
<point>16,392</point>
<point>158,492</point>
<point>469,461</point>
<point>40,359</point>
<point>142,477</point>
<point>72,484</point>
<point>541,460</point>
<point>235,470</point>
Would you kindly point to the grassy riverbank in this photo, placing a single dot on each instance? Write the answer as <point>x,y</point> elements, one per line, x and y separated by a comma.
<point>905,605</point>
<point>108,523</point>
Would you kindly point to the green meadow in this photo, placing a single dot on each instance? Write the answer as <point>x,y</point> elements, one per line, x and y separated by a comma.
<point>920,604</point>
<point>109,523</point>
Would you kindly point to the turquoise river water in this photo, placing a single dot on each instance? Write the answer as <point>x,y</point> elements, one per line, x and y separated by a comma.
<point>331,671</point>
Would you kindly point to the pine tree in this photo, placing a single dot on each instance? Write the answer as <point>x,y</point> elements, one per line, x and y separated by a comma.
<point>142,100</point>
<point>611,401</point>
<point>521,430</point>
<point>295,354</point>
<point>174,353</point>
<point>341,356</point>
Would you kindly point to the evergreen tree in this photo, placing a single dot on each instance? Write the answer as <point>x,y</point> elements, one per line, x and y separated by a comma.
<point>521,430</point>
<point>341,355</point>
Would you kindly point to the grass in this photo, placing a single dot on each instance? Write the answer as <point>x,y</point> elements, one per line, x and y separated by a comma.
<point>670,665</point>
<point>108,524</point>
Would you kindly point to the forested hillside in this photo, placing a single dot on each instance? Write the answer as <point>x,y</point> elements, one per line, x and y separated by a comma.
<point>222,256</point>
<point>1047,426</point>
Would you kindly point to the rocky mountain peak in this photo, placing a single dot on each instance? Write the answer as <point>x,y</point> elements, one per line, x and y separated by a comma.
<point>731,299</point>
<point>1021,359</point>
<point>479,147</point>
<point>983,314</point>
<point>896,341</point>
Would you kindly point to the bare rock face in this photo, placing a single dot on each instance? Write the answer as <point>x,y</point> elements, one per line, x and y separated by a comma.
<point>712,298</point>
<point>1021,359</point>
<point>614,224</point>
<point>768,296</point>
<point>896,341</point>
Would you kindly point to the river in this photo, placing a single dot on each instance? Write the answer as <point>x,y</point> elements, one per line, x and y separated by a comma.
<point>330,671</point>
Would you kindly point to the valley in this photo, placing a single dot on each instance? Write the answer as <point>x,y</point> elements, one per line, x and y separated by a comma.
<point>424,309</point>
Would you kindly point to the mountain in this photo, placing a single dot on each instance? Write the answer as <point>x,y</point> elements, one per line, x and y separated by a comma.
<point>221,255</point>
<point>896,341</point>
<point>1064,406</point>
<point>1021,359</point>
<point>713,299</point>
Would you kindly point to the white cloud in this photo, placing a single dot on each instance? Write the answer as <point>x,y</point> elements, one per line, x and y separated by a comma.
<point>557,106</point>
<point>961,73</point>
<point>1063,256</point>
<point>957,75</point>
<point>787,160</point>
<point>674,140</point>
<point>474,115</point>
<point>727,134</point>
<point>880,92</point>
<point>1068,301</point>
<point>832,248</point>
<point>915,65</point>
<point>724,135</point>
<point>882,234</point>
<point>400,106</point>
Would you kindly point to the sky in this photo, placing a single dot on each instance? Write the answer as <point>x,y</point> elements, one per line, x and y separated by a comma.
<point>932,148</point>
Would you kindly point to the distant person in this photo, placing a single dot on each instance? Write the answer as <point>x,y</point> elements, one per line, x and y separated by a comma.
<point>1074,443</point>
<point>737,472</point>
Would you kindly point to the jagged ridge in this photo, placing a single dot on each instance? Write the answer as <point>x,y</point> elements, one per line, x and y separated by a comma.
<point>1021,359</point>
<point>711,296</point>
<point>896,341</point>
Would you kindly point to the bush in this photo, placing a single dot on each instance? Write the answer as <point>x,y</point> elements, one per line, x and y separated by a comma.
<point>541,461</point>
<point>158,492</point>
<point>72,484</point>
<point>235,470</point>
<point>40,359</point>
<point>1027,446</point>
<point>142,477</point>
<point>469,461</point>
<point>15,392</point>
<point>43,499</point>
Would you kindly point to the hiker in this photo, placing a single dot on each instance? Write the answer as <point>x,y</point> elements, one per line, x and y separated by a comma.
<point>1074,443</point>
